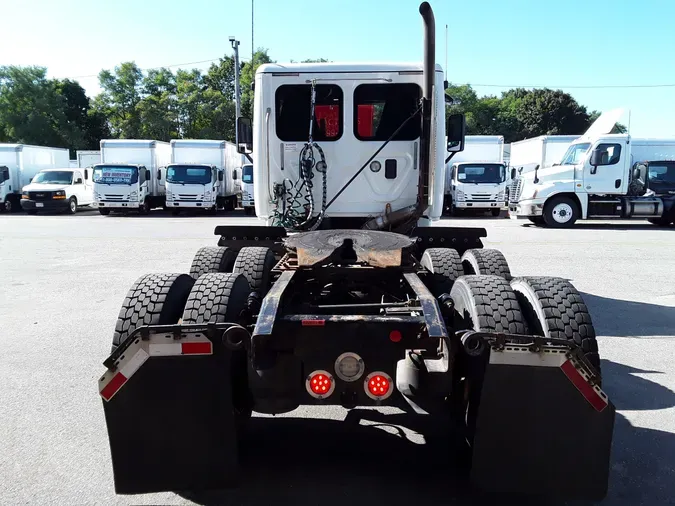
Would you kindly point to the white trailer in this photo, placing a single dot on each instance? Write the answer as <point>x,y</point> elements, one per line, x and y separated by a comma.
<point>543,151</point>
<point>475,178</point>
<point>87,158</point>
<point>19,163</point>
<point>602,176</point>
<point>202,175</point>
<point>131,175</point>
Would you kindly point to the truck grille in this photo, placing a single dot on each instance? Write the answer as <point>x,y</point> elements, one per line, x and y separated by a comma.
<point>40,196</point>
<point>113,197</point>
<point>515,190</point>
<point>189,197</point>
<point>480,197</point>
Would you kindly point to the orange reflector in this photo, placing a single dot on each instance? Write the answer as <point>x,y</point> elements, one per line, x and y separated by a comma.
<point>395,336</point>
<point>313,323</point>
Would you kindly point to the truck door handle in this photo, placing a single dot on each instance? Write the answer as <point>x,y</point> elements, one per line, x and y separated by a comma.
<point>617,183</point>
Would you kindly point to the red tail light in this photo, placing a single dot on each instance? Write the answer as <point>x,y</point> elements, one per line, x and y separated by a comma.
<point>320,384</point>
<point>378,385</point>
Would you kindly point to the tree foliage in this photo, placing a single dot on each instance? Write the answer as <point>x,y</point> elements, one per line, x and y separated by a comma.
<point>162,104</point>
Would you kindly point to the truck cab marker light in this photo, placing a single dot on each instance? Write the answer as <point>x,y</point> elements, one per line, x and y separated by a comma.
<point>395,336</point>
<point>320,384</point>
<point>313,323</point>
<point>378,385</point>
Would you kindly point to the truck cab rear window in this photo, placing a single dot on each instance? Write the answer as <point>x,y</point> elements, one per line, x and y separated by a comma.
<point>379,109</point>
<point>292,112</point>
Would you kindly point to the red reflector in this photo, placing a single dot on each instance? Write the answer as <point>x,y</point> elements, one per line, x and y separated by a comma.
<point>583,386</point>
<point>395,336</point>
<point>115,384</point>
<point>196,348</point>
<point>379,386</point>
<point>313,323</point>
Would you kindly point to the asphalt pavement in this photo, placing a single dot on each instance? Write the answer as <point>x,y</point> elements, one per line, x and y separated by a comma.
<point>64,278</point>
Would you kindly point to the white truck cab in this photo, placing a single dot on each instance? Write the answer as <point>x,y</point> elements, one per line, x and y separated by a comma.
<point>247,199</point>
<point>58,190</point>
<point>368,164</point>
<point>597,178</point>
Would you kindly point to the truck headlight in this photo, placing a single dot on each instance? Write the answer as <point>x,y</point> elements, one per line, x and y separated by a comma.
<point>133,196</point>
<point>460,195</point>
<point>60,193</point>
<point>24,195</point>
<point>500,195</point>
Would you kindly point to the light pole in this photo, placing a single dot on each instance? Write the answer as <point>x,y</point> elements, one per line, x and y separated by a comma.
<point>237,92</point>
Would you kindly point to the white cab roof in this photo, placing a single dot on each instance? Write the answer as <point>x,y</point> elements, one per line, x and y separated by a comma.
<point>308,68</point>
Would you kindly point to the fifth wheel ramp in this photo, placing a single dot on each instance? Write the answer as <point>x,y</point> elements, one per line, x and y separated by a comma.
<point>542,428</point>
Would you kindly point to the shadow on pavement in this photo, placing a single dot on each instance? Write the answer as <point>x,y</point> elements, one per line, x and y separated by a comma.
<point>316,461</point>
<point>624,318</point>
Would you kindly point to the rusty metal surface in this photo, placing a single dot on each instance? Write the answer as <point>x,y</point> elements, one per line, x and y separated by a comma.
<point>375,248</point>
<point>432,313</point>
<point>270,305</point>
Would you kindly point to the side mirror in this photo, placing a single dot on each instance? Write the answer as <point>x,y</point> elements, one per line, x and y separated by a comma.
<point>596,160</point>
<point>244,133</point>
<point>159,174</point>
<point>234,174</point>
<point>220,175</point>
<point>636,173</point>
<point>513,173</point>
<point>78,180</point>
<point>455,130</point>
<point>86,174</point>
<point>147,174</point>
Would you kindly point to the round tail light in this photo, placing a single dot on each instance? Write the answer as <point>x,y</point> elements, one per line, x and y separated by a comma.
<point>378,385</point>
<point>320,384</point>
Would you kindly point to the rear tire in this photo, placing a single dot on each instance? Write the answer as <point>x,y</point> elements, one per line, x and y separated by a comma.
<point>249,211</point>
<point>103,212</point>
<point>554,308</point>
<point>537,220</point>
<point>445,267</point>
<point>144,208</point>
<point>496,212</point>
<point>490,262</point>
<point>486,303</point>
<point>212,259</point>
<point>219,297</point>
<point>256,264</point>
<point>154,299</point>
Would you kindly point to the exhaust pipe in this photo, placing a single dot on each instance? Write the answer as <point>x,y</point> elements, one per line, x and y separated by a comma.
<point>413,213</point>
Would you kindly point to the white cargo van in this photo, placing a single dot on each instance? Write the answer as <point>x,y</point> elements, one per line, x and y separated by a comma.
<point>58,190</point>
<point>202,175</point>
<point>131,175</point>
<point>476,177</point>
<point>19,163</point>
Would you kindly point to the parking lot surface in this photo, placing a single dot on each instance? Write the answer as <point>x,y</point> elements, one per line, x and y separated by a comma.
<point>64,278</point>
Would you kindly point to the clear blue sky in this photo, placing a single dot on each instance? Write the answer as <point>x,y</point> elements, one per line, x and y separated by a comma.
<point>562,43</point>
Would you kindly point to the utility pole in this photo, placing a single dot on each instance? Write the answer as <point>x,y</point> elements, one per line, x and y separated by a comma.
<point>237,91</point>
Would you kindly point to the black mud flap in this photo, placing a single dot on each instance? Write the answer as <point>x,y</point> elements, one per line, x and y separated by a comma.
<point>541,428</point>
<point>169,416</point>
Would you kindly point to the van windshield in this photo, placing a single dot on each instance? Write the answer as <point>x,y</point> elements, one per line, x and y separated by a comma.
<point>481,173</point>
<point>54,177</point>
<point>575,153</point>
<point>115,174</point>
<point>188,174</point>
<point>247,174</point>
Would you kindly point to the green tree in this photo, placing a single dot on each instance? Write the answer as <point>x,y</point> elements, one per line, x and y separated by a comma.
<point>85,127</point>
<point>118,102</point>
<point>551,112</point>
<point>220,76</point>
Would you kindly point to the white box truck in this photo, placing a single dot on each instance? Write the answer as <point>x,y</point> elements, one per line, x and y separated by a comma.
<point>602,176</point>
<point>202,175</point>
<point>247,199</point>
<point>87,158</point>
<point>543,151</point>
<point>19,163</point>
<point>476,177</point>
<point>131,175</point>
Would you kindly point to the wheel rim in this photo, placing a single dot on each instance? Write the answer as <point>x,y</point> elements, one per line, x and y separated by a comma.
<point>562,213</point>
<point>8,206</point>
<point>73,206</point>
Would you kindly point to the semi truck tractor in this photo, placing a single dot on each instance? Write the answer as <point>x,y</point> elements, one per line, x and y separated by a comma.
<point>601,176</point>
<point>247,199</point>
<point>202,175</point>
<point>19,163</point>
<point>476,177</point>
<point>345,296</point>
<point>131,175</point>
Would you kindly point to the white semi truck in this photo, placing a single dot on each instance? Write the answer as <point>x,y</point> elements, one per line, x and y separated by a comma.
<point>19,163</point>
<point>601,176</point>
<point>247,199</point>
<point>130,176</point>
<point>543,151</point>
<point>202,175</point>
<point>308,310</point>
<point>476,177</point>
